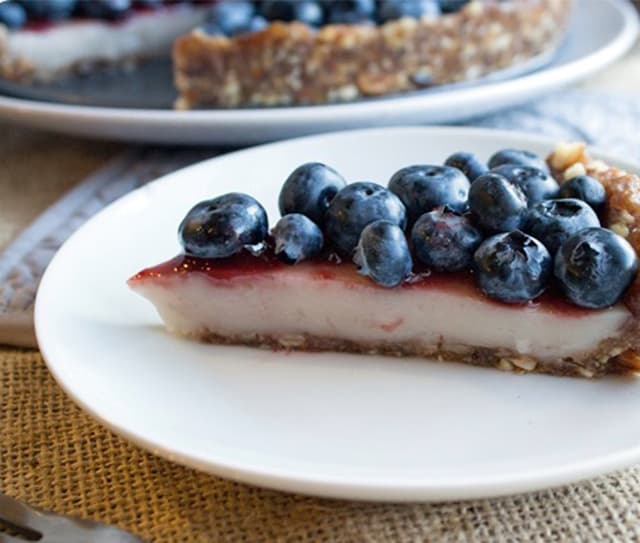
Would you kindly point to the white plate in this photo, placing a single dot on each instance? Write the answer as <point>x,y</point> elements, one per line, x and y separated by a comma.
<point>329,424</point>
<point>600,32</point>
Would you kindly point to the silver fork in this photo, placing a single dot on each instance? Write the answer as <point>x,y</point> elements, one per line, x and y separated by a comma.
<point>35,525</point>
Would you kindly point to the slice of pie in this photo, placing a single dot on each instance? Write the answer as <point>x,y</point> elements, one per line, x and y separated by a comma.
<point>409,271</point>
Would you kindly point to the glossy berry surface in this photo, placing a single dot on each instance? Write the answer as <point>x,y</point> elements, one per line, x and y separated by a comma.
<point>231,16</point>
<point>496,204</point>
<point>451,6</point>
<point>423,188</point>
<point>383,254</point>
<point>296,238</point>
<point>48,9</point>
<point>554,221</point>
<point>12,15</point>
<point>444,240</point>
<point>536,184</point>
<point>468,163</point>
<point>595,267</point>
<point>104,9</point>
<point>223,226</point>
<point>354,207</point>
<point>512,267</point>
<point>349,11</point>
<point>585,188</point>
<point>309,190</point>
<point>518,157</point>
<point>305,11</point>
<point>389,10</point>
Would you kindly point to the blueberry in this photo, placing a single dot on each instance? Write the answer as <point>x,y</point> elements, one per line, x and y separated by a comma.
<point>553,221</point>
<point>305,11</point>
<point>104,9</point>
<point>512,267</point>
<point>389,10</point>
<point>309,190</point>
<point>518,157</point>
<point>451,6</point>
<point>223,226</point>
<point>231,16</point>
<point>296,238</point>
<point>536,184</point>
<point>444,240</point>
<point>468,164</point>
<point>49,9</point>
<point>423,188</point>
<point>595,267</point>
<point>585,188</point>
<point>349,11</point>
<point>496,204</point>
<point>12,15</point>
<point>256,23</point>
<point>357,205</point>
<point>383,254</point>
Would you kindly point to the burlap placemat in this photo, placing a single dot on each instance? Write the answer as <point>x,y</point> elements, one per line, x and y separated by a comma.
<point>54,456</point>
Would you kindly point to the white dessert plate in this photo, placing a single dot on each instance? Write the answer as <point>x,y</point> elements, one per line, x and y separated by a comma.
<point>349,426</point>
<point>600,32</point>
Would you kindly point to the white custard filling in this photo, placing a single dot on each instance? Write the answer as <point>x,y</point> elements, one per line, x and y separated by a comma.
<point>291,304</point>
<point>147,34</point>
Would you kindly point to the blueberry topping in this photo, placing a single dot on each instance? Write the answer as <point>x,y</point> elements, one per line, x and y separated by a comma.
<point>512,267</point>
<point>305,11</point>
<point>357,205</point>
<point>296,238</point>
<point>536,184</point>
<point>451,6</point>
<point>349,11</point>
<point>12,15</point>
<point>309,190</point>
<point>389,10</point>
<point>423,188</point>
<point>595,267</point>
<point>383,254</point>
<point>104,9</point>
<point>48,9</point>
<point>231,16</point>
<point>222,227</point>
<point>554,221</point>
<point>468,164</point>
<point>587,189</point>
<point>444,240</point>
<point>518,157</point>
<point>497,205</point>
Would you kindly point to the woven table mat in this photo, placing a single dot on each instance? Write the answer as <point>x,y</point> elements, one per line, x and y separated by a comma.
<point>54,456</point>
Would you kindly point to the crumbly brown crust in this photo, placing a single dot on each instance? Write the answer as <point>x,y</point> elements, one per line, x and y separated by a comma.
<point>290,64</point>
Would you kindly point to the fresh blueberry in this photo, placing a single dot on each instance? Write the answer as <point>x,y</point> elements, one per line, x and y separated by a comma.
<point>383,254</point>
<point>305,11</point>
<point>104,9</point>
<point>390,10</point>
<point>444,240</point>
<point>451,6</point>
<point>12,15</point>
<point>223,226</point>
<point>595,267</point>
<point>497,205</point>
<point>357,205</point>
<point>296,238</point>
<point>231,16</point>
<point>585,188</point>
<point>519,157</point>
<point>468,164</point>
<point>49,9</point>
<point>536,184</point>
<point>256,23</point>
<point>349,11</point>
<point>309,190</point>
<point>512,267</point>
<point>147,3</point>
<point>423,188</point>
<point>554,221</point>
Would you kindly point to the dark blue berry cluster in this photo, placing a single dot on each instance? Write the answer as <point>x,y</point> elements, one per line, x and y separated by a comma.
<point>507,221</point>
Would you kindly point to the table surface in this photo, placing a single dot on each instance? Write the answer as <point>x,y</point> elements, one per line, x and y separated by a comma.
<point>54,456</point>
